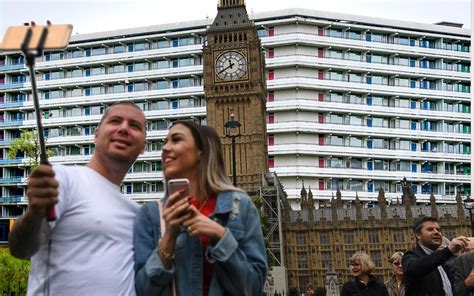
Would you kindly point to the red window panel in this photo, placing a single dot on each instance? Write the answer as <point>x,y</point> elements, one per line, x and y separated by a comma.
<point>320,31</point>
<point>271,96</point>
<point>321,184</point>
<point>271,162</point>
<point>2,99</point>
<point>2,80</point>
<point>271,53</point>
<point>271,140</point>
<point>320,75</point>
<point>271,31</point>
<point>271,74</point>
<point>320,53</point>
<point>321,97</point>
<point>320,118</point>
<point>271,118</point>
<point>321,140</point>
<point>321,162</point>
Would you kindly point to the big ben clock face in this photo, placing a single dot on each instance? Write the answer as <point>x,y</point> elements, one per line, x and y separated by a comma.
<point>231,65</point>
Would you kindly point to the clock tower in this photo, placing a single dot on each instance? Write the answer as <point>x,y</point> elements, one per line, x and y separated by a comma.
<point>234,84</point>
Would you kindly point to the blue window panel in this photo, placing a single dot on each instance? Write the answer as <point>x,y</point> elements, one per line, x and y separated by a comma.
<point>369,122</point>
<point>86,151</point>
<point>46,95</point>
<point>175,83</point>
<point>413,167</point>
<point>368,37</point>
<point>130,68</point>
<point>21,60</point>
<point>21,78</point>
<point>412,83</point>
<point>47,57</point>
<point>426,105</point>
<point>424,84</point>
<point>413,105</point>
<point>413,146</point>
<point>412,42</point>
<point>424,148</point>
<point>88,52</point>
<point>369,79</point>
<point>88,72</point>
<point>87,131</point>
<point>426,125</point>
<point>46,133</point>
<point>370,187</point>
<point>413,63</point>
<point>21,97</point>
<point>174,105</point>
<point>88,91</point>
<point>175,63</point>
<point>130,48</point>
<point>368,58</point>
<point>414,188</point>
<point>426,189</point>
<point>424,43</point>
<point>413,125</point>
<point>129,189</point>
<point>130,88</point>
<point>424,64</point>
<point>87,111</point>
<point>369,144</point>
<point>175,43</point>
<point>370,165</point>
<point>369,101</point>
<point>47,76</point>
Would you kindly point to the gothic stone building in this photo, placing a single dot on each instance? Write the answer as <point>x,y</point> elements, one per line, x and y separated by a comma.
<point>320,240</point>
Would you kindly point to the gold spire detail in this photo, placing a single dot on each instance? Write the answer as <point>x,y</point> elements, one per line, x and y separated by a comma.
<point>231,3</point>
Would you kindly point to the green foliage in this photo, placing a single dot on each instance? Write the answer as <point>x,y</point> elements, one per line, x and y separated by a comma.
<point>28,142</point>
<point>13,274</point>
<point>257,200</point>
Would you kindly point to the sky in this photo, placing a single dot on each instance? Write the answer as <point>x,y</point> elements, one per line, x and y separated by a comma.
<point>103,15</point>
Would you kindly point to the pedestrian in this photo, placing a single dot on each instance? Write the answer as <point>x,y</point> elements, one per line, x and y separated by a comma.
<point>213,243</point>
<point>425,268</point>
<point>395,285</point>
<point>363,282</point>
<point>464,271</point>
<point>309,290</point>
<point>88,249</point>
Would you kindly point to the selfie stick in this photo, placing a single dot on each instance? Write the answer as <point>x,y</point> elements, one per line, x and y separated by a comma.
<point>30,56</point>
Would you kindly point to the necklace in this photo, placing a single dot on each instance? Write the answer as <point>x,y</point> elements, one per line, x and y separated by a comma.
<point>203,203</point>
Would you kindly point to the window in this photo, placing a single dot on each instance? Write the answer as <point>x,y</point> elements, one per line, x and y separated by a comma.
<point>326,260</point>
<point>302,260</point>
<point>374,237</point>
<point>335,162</point>
<point>324,238</point>
<point>398,236</point>
<point>355,142</point>
<point>348,238</point>
<point>376,258</point>
<point>354,163</point>
<point>355,185</point>
<point>300,239</point>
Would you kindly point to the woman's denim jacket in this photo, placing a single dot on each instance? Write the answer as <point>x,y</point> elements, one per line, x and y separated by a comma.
<point>239,258</point>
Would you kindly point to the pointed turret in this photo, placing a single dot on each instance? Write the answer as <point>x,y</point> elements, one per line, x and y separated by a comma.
<point>434,208</point>
<point>382,204</point>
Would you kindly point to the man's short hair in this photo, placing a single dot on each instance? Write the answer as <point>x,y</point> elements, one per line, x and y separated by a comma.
<point>124,103</point>
<point>418,223</point>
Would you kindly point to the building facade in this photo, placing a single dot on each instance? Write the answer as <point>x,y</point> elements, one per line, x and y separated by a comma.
<point>355,103</point>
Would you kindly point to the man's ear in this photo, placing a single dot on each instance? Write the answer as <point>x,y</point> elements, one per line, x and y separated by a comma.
<point>418,236</point>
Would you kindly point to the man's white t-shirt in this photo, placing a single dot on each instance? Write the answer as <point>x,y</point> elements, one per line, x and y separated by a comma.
<point>91,251</point>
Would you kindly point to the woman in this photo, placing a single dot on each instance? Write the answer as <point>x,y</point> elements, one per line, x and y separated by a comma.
<point>363,283</point>
<point>395,285</point>
<point>213,244</point>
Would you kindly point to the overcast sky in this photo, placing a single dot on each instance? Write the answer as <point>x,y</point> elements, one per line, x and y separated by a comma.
<point>102,15</point>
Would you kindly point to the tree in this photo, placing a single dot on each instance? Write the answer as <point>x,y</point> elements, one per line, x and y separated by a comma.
<point>27,143</point>
<point>13,274</point>
<point>257,200</point>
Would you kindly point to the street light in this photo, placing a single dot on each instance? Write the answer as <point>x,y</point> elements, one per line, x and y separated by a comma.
<point>232,130</point>
<point>469,205</point>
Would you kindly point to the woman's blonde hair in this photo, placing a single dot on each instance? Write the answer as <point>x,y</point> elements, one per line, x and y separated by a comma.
<point>397,256</point>
<point>210,170</point>
<point>366,263</point>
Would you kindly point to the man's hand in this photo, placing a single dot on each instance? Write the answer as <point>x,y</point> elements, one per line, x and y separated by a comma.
<point>469,281</point>
<point>42,191</point>
<point>458,244</point>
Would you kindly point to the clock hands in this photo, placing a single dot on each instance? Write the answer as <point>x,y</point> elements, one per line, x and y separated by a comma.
<point>230,66</point>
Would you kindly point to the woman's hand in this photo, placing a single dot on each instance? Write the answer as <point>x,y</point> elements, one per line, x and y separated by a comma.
<point>176,210</point>
<point>198,224</point>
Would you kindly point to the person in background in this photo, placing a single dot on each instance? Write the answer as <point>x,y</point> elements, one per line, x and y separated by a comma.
<point>213,243</point>
<point>395,285</point>
<point>309,290</point>
<point>363,282</point>
<point>425,268</point>
<point>464,271</point>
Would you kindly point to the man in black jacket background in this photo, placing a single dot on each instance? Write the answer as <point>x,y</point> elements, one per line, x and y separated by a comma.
<point>426,269</point>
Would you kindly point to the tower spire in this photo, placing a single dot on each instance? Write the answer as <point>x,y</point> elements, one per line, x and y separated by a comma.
<point>231,3</point>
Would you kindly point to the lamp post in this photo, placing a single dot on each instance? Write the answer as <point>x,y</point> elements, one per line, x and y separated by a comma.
<point>232,130</point>
<point>469,205</point>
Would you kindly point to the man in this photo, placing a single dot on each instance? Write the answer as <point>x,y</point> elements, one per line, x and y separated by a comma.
<point>464,272</point>
<point>88,249</point>
<point>425,268</point>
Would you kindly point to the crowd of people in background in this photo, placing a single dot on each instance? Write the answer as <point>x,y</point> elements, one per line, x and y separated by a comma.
<point>436,266</point>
